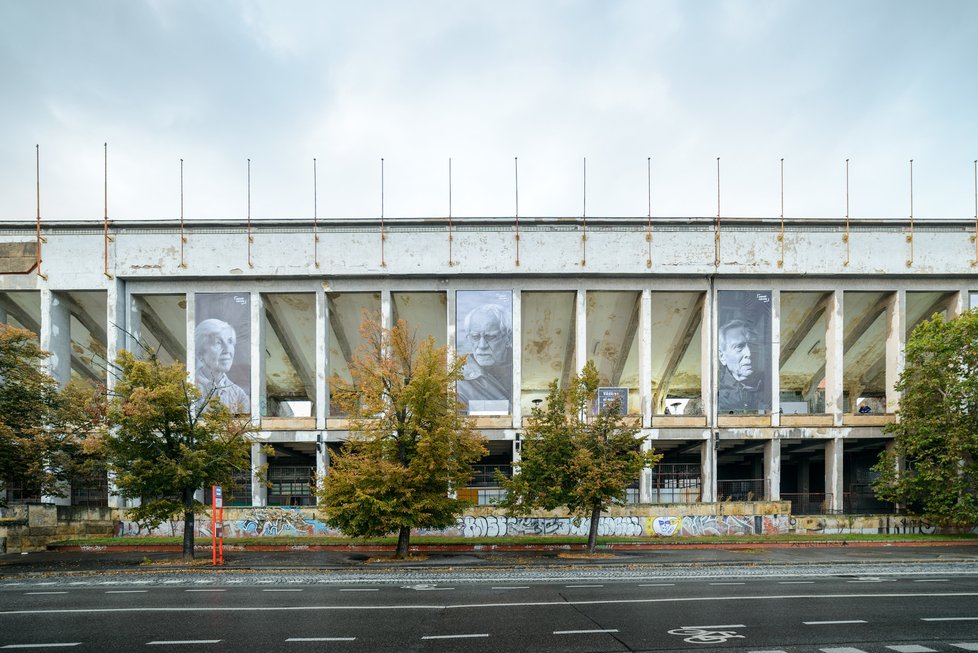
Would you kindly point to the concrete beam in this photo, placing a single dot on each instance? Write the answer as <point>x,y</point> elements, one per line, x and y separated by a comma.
<point>151,320</point>
<point>629,337</point>
<point>677,349</point>
<point>808,322</point>
<point>293,350</point>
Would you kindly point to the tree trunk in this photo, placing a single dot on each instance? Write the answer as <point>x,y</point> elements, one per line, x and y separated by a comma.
<point>403,542</point>
<point>592,533</point>
<point>188,524</point>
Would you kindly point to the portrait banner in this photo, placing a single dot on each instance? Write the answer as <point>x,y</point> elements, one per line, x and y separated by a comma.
<point>743,352</point>
<point>484,329</point>
<point>222,344</point>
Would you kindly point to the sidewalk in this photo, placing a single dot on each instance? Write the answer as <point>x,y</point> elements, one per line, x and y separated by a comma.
<point>112,560</point>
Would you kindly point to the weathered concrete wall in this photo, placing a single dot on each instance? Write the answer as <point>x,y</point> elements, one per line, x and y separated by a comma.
<point>32,527</point>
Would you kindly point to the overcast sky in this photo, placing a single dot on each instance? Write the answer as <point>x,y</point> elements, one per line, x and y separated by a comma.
<point>282,82</point>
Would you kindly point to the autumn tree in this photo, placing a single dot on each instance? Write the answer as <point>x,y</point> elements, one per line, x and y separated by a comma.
<point>932,467</point>
<point>576,456</point>
<point>166,442</point>
<point>409,445</point>
<point>43,429</point>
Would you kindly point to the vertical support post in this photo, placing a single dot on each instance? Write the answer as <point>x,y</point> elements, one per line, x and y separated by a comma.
<point>772,469</point>
<point>134,327</point>
<point>708,355</point>
<point>834,353</point>
<point>55,336</point>
<point>386,317</point>
<point>775,358</point>
<point>322,359</point>
<point>645,358</point>
<point>191,340</point>
<point>116,327</point>
<point>959,304</point>
<point>322,462</point>
<point>896,335</point>
<point>833,474</point>
<point>580,331</point>
<point>259,491</point>
<point>259,398</point>
<point>645,480</point>
<point>708,471</point>
<point>517,359</point>
<point>3,315</point>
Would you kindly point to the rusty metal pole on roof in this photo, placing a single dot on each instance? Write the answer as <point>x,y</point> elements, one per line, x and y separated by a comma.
<point>584,217</point>
<point>781,234</point>
<point>183,237</point>
<point>975,237</point>
<point>383,237</point>
<point>648,225</point>
<point>910,235</point>
<point>37,178</point>
<point>105,217</point>
<point>516,170</point>
<point>450,236</point>
<point>716,231</point>
<point>315,215</point>
<point>845,237</point>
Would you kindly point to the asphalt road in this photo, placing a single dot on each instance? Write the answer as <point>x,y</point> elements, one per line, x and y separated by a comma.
<point>915,613</point>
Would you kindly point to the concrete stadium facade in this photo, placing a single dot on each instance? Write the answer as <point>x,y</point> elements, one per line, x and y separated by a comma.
<point>646,300</point>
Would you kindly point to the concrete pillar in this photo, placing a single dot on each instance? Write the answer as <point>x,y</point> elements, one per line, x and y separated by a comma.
<point>517,359</point>
<point>833,474</point>
<point>322,359</point>
<point>645,480</point>
<point>191,341</point>
<point>804,476</point>
<point>55,336</point>
<point>322,464</point>
<point>3,315</point>
<point>259,491</point>
<point>134,326</point>
<point>580,330</point>
<point>834,352</point>
<point>115,501</point>
<point>772,469</point>
<point>708,359</point>
<point>259,396</point>
<point>896,336</point>
<point>386,318</point>
<point>645,358</point>
<point>708,471</point>
<point>116,325</point>
<point>775,357</point>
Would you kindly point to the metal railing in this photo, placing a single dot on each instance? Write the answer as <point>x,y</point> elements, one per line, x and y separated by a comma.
<point>747,489</point>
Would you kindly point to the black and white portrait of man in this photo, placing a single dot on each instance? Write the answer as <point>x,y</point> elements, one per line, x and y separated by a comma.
<point>222,348</point>
<point>485,337</point>
<point>743,346</point>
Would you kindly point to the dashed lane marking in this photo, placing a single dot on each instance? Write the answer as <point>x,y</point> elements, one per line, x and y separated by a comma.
<point>271,590</point>
<point>209,589</point>
<point>512,587</point>
<point>833,623</point>
<point>359,589</point>
<point>585,632</point>
<point>126,591</point>
<point>466,636</point>
<point>39,593</point>
<point>967,646</point>
<point>949,619</point>
<point>45,645</point>
<point>911,648</point>
<point>320,639</point>
<point>728,583</point>
<point>583,585</point>
<point>657,585</point>
<point>175,642</point>
<point>842,649</point>
<point>931,580</point>
<point>796,582</point>
<point>716,627</point>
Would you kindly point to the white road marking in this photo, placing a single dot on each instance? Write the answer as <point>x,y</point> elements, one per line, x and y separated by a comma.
<point>468,636</point>
<point>359,589</point>
<point>433,589</point>
<point>842,649</point>
<point>911,648</point>
<point>270,590</point>
<point>930,580</point>
<point>949,619</point>
<point>48,645</point>
<point>796,582</point>
<point>320,639</point>
<point>183,641</point>
<point>657,585</point>
<point>728,583</point>
<point>126,591</point>
<point>512,587</point>
<point>777,650</point>
<point>37,593</point>
<point>583,585</point>
<point>716,627</point>
<point>832,623</point>
<point>206,590</point>
<point>968,646</point>
<point>510,604</point>
<point>585,632</point>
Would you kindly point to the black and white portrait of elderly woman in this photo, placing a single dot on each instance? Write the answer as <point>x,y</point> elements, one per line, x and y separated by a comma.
<point>215,342</point>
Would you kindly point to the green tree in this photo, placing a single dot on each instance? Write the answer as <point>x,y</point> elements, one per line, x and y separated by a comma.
<point>165,442</point>
<point>43,430</point>
<point>933,466</point>
<point>409,446</point>
<point>574,458</point>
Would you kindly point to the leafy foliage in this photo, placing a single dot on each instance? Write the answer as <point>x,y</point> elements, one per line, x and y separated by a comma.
<point>165,444</point>
<point>937,433</point>
<point>43,430</point>
<point>409,445</point>
<point>575,459</point>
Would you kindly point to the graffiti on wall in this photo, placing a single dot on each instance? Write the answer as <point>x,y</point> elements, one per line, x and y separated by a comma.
<point>272,522</point>
<point>705,525</point>
<point>499,526</point>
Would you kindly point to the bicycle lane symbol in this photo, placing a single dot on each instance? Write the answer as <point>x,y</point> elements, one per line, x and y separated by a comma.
<point>707,634</point>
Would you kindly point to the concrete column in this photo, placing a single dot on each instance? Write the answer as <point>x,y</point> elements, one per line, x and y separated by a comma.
<point>708,471</point>
<point>3,315</point>
<point>259,396</point>
<point>772,469</point>
<point>900,464</point>
<point>645,480</point>
<point>55,336</point>
<point>517,453</point>
<point>580,330</point>
<point>134,326</point>
<point>322,359</point>
<point>804,476</point>
<point>959,304</point>
<point>191,340</point>
<point>896,336</point>
<point>517,359</point>
<point>708,359</point>
<point>645,358</point>
<point>834,352</point>
<point>775,357</point>
<point>259,491</point>
<point>116,325</point>
<point>450,325</point>
<point>386,318</point>
<point>833,474</point>
<point>322,464</point>
<point>115,501</point>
